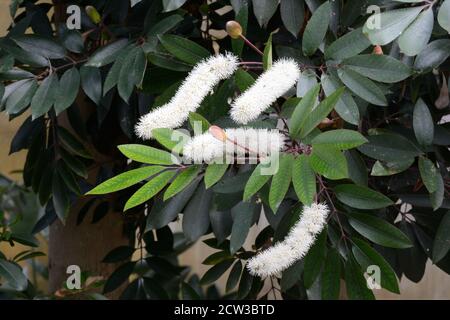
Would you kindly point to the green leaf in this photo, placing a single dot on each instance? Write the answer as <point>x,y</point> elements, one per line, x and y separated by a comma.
<point>165,25</point>
<point>391,24</point>
<point>21,97</point>
<point>428,173</point>
<point>380,68</point>
<point>306,81</point>
<point>245,285</point>
<point>256,181</point>
<point>61,201</point>
<point>444,15</point>
<point>243,79</point>
<point>71,143</point>
<point>315,259</point>
<point>181,181</point>
<point>362,87</point>
<point>415,38</point>
<point>113,75</point>
<point>216,272</point>
<point>43,46</point>
<point>119,276</point>
<point>173,140</point>
<point>73,41</point>
<point>107,54</point>
<point>171,5</point>
<point>423,123</point>
<point>316,29</point>
<point>379,231</point>
<point>293,14</point>
<point>389,147</point>
<point>73,163</point>
<point>146,154</point>
<point>148,190</point>
<point>161,216</point>
<point>329,162</point>
<point>348,45</point>
<point>433,55</point>
<point>360,197</point>
<point>291,276</point>
<point>45,96</point>
<point>264,10</point>
<point>346,106</point>
<point>184,49</point>
<point>441,245</point>
<point>341,139</point>
<point>196,214</point>
<point>198,123</point>
<point>331,276</point>
<point>281,181</point>
<point>91,82</point>
<point>437,197</point>
<point>217,257</point>
<point>267,56</point>
<point>357,170</point>
<point>381,169</point>
<point>355,282</point>
<point>67,90</point>
<point>188,293</point>
<point>235,275</point>
<point>13,275</point>
<point>131,72</point>
<point>119,254</point>
<point>304,180</point>
<point>125,180</point>
<point>302,110</point>
<point>243,217</point>
<point>315,117</point>
<point>214,172</point>
<point>367,256</point>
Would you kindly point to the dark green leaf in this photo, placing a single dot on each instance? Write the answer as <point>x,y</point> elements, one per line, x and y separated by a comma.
<point>360,197</point>
<point>45,96</point>
<point>184,49</point>
<point>379,231</point>
<point>316,29</point>
<point>91,82</point>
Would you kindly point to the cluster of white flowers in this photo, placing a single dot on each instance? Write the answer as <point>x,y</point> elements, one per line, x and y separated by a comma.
<point>240,142</point>
<point>297,243</point>
<point>271,85</point>
<point>189,96</point>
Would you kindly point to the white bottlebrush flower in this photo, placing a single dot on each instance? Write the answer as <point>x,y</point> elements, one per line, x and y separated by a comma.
<point>240,141</point>
<point>271,85</point>
<point>296,244</point>
<point>191,93</point>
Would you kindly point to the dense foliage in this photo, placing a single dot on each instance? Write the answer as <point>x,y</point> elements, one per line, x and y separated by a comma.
<point>375,148</point>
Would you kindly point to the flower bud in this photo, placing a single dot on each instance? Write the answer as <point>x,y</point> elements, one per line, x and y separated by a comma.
<point>218,133</point>
<point>93,14</point>
<point>234,29</point>
<point>378,50</point>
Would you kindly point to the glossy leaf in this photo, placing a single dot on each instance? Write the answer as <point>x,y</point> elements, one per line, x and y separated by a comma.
<point>126,179</point>
<point>379,231</point>
<point>150,189</point>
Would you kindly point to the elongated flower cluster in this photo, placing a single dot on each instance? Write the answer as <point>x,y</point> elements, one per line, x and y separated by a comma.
<point>241,142</point>
<point>297,243</point>
<point>271,85</point>
<point>191,93</point>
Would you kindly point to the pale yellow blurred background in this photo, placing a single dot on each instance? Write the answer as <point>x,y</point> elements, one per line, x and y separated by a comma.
<point>434,285</point>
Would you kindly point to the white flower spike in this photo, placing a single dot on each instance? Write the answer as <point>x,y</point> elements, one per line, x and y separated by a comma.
<point>271,85</point>
<point>296,244</point>
<point>191,93</point>
<point>241,141</point>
